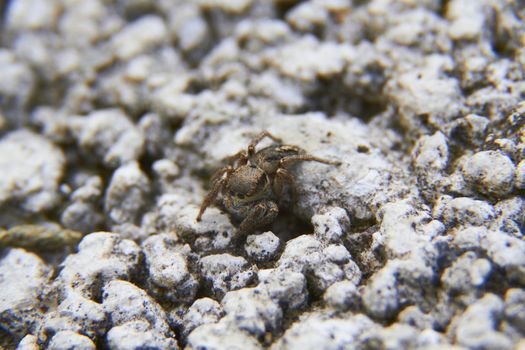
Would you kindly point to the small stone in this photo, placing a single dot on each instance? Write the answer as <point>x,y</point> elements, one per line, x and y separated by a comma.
<point>342,296</point>
<point>515,308</point>
<point>170,269</point>
<point>308,16</point>
<point>23,277</point>
<point>234,7</point>
<point>109,136</point>
<point>252,311</point>
<point>331,225</point>
<point>307,59</point>
<point>520,175</point>
<point>262,247</point>
<point>101,257</point>
<point>138,335</point>
<point>469,238</point>
<point>396,283</point>
<point>29,342</point>
<point>202,311</point>
<point>321,267</point>
<point>127,194</point>
<point>77,314</point>
<point>414,317</point>
<point>464,211</point>
<point>467,19</point>
<point>425,92</point>
<point>490,172</point>
<point>221,335</point>
<point>224,272</point>
<point>139,37</point>
<point>477,326</point>
<point>33,15</point>
<point>16,87</point>
<point>70,340</point>
<point>31,168</point>
<point>317,331</point>
<point>507,253</point>
<point>125,302</point>
<point>430,157</point>
<point>466,276</point>
<point>287,288</point>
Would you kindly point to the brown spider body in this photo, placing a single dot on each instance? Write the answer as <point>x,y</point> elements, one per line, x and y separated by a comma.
<point>254,185</point>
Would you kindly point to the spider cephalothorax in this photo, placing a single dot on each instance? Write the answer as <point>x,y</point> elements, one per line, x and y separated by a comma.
<point>254,183</point>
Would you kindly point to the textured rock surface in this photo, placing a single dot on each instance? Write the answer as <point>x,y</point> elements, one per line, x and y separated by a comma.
<point>23,280</point>
<point>31,168</point>
<point>114,116</point>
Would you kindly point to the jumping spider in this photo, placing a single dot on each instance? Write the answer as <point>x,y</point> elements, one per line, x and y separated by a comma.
<point>254,183</point>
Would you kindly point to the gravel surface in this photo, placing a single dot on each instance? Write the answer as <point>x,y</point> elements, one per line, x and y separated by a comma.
<point>115,114</point>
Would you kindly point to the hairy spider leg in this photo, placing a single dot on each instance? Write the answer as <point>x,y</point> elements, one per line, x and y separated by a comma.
<point>304,157</point>
<point>259,138</point>
<point>283,177</point>
<point>260,215</point>
<point>219,179</point>
<point>238,159</point>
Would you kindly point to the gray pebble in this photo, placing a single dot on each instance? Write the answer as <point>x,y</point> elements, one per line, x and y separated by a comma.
<point>23,277</point>
<point>124,302</point>
<point>262,247</point>
<point>126,194</point>
<point>224,272</point>
<point>477,327</point>
<point>490,172</point>
<point>202,311</point>
<point>222,335</point>
<point>170,268</point>
<point>101,257</point>
<point>138,335</point>
<point>70,340</point>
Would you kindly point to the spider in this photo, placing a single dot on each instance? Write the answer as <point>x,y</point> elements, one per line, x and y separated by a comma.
<point>255,182</point>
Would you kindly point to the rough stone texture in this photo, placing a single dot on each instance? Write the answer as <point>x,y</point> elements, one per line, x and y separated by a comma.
<point>221,335</point>
<point>169,264</point>
<point>127,194</point>
<point>23,277</point>
<point>108,136</point>
<point>70,340</point>
<point>331,225</point>
<point>263,247</point>
<point>31,169</point>
<point>202,311</point>
<point>252,311</point>
<point>224,272</point>
<point>101,257</point>
<point>490,172</point>
<point>316,331</point>
<point>114,116</point>
<point>477,327</point>
<point>138,335</point>
<point>125,302</point>
<point>83,213</point>
<point>74,314</point>
<point>287,288</point>
<point>16,88</point>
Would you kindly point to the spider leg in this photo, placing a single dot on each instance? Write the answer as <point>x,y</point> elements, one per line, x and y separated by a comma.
<point>240,157</point>
<point>283,177</point>
<point>260,215</point>
<point>304,157</point>
<point>219,179</point>
<point>259,138</point>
